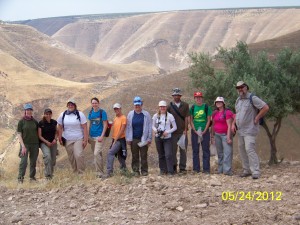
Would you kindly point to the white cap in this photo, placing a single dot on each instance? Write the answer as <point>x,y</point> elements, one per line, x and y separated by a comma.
<point>117,105</point>
<point>162,103</point>
<point>219,99</point>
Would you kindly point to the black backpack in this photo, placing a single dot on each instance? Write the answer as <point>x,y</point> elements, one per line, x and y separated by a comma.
<point>261,120</point>
<point>64,114</point>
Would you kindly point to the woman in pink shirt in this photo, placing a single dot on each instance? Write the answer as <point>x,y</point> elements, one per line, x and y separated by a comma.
<point>221,135</point>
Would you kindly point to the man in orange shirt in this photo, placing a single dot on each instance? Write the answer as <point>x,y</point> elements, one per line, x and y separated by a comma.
<point>118,145</point>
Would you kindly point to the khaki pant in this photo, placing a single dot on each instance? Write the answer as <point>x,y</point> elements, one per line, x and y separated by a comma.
<point>76,156</point>
<point>49,156</point>
<point>97,148</point>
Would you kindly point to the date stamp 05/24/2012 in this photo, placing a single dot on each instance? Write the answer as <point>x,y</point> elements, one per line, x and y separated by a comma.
<point>251,195</point>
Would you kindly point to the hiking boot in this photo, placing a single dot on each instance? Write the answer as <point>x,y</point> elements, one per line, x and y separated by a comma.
<point>228,174</point>
<point>245,175</point>
<point>162,173</point>
<point>182,172</point>
<point>20,180</point>
<point>255,176</point>
<point>136,173</point>
<point>144,173</point>
<point>32,179</point>
<point>105,176</point>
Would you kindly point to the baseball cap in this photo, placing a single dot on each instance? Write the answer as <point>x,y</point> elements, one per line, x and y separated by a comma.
<point>117,106</point>
<point>47,111</point>
<point>162,103</point>
<point>198,94</point>
<point>72,100</point>
<point>28,106</point>
<point>137,100</point>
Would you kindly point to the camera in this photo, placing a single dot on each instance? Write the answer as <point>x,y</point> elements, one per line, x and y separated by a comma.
<point>160,133</point>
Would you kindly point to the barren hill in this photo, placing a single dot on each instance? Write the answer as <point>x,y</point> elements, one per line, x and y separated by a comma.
<point>45,54</point>
<point>166,38</point>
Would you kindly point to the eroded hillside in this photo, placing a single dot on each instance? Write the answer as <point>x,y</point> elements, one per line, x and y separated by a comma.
<point>165,39</point>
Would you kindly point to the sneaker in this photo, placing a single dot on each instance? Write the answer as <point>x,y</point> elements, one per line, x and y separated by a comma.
<point>48,178</point>
<point>136,174</point>
<point>255,176</point>
<point>245,175</point>
<point>206,172</point>
<point>99,175</point>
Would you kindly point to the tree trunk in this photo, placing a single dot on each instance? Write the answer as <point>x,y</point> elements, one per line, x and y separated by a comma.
<point>272,139</point>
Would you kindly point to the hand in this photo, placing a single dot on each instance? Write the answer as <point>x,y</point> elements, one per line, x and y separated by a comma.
<point>84,143</point>
<point>23,151</point>
<point>48,143</point>
<point>233,129</point>
<point>185,132</point>
<point>100,139</point>
<point>129,142</point>
<point>54,142</point>
<point>229,141</point>
<point>149,143</point>
<point>256,120</point>
<point>165,134</point>
<point>60,141</point>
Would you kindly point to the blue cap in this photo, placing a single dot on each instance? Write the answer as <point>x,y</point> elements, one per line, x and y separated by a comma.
<point>28,106</point>
<point>137,100</point>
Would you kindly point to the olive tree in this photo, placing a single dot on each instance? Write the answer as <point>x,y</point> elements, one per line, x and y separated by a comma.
<point>276,80</point>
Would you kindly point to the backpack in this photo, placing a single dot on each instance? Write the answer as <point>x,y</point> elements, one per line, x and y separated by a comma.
<point>107,132</point>
<point>205,110</point>
<point>261,120</point>
<point>64,114</point>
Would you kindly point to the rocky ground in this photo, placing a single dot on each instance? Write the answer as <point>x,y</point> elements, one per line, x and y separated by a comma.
<point>185,199</point>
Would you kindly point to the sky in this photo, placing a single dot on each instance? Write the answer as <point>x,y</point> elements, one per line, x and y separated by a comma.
<point>12,10</point>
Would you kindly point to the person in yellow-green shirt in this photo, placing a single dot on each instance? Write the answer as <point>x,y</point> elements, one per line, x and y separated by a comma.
<point>200,118</point>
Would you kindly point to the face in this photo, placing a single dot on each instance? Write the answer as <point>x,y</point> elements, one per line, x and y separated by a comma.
<point>219,104</point>
<point>117,111</point>
<point>163,109</point>
<point>48,115</point>
<point>242,89</point>
<point>95,104</point>
<point>28,112</point>
<point>176,98</point>
<point>138,108</point>
<point>199,100</point>
<point>71,106</point>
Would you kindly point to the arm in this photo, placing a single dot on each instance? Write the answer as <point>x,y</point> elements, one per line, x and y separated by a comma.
<point>103,131</point>
<point>261,113</point>
<point>149,129</point>
<point>85,135</point>
<point>233,127</point>
<point>212,133</point>
<point>24,150</point>
<point>229,124</point>
<point>60,131</point>
<point>207,125</point>
<point>174,127</point>
<point>43,139</point>
<point>122,130</point>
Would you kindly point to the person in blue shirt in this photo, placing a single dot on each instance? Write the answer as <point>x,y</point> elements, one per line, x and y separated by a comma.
<point>97,129</point>
<point>139,136</point>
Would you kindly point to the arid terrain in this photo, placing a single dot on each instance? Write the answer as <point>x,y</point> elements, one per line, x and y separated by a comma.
<point>116,59</point>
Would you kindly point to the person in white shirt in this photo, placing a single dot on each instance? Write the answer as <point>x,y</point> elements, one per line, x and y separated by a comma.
<point>72,130</point>
<point>162,122</point>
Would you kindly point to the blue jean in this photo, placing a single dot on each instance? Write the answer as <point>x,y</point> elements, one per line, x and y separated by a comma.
<point>115,149</point>
<point>205,150</point>
<point>224,153</point>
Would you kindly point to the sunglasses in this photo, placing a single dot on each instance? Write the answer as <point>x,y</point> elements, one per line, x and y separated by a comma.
<point>241,87</point>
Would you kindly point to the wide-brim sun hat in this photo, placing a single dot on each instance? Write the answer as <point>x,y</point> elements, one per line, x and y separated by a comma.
<point>162,103</point>
<point>176,92</point>
<point>219,99</point>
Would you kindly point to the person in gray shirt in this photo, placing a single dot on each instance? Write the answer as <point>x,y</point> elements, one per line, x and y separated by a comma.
<point>246,123</point>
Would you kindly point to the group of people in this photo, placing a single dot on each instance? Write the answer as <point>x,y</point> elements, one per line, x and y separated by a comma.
<point>169,125</point>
